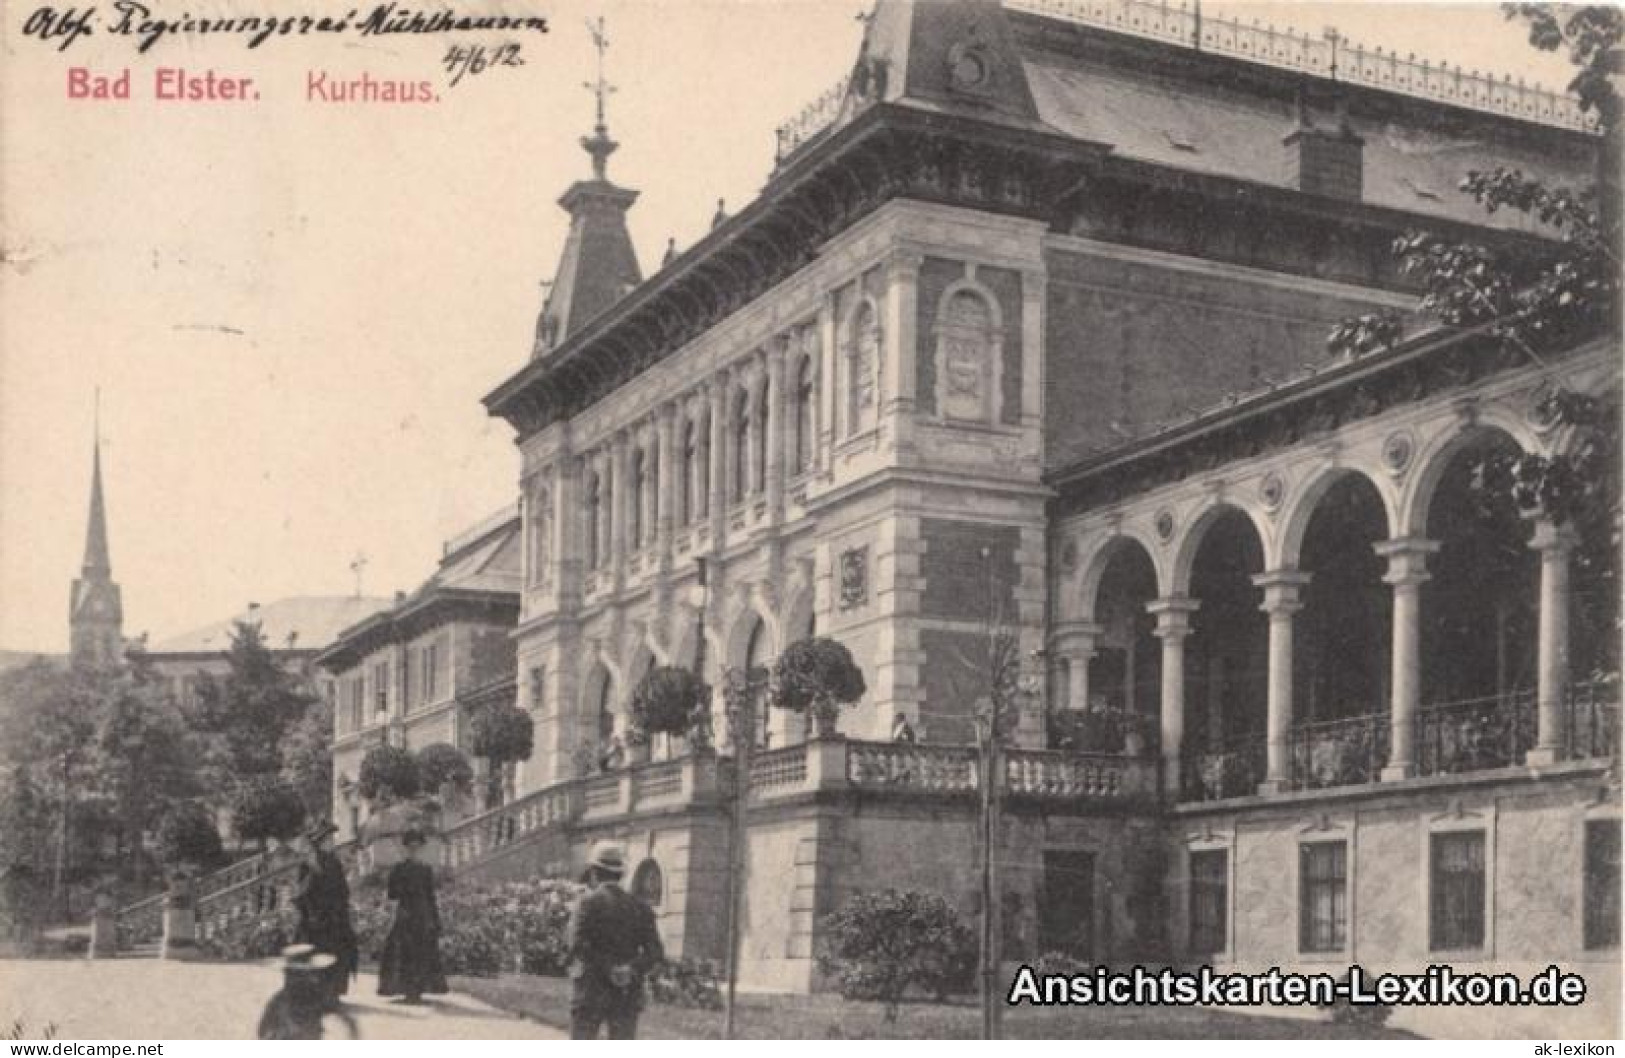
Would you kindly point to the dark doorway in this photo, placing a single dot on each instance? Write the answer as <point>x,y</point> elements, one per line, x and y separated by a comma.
<point>1066,910</point>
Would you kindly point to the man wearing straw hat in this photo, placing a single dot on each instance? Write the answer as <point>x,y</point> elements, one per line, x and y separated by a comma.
<point>613,943</point>
<point>322,899</point>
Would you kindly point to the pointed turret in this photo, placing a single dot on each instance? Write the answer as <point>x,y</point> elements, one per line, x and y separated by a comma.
<point>598,265</point>
<point>96,607</point>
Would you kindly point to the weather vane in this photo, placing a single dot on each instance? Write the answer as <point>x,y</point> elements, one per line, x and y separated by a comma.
<point>357,565</point>
<point>600,88</point>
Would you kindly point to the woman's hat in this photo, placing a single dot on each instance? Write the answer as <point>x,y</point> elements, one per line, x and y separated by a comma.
<point>302,957</point>
<point>607,857</point>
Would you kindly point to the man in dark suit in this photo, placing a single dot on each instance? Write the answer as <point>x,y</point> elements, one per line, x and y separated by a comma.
<point>613,944</point>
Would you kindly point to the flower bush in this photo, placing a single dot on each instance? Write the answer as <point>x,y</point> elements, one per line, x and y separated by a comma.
<point>389,773</point>
<point>686,983</point>
<point>518,927</point>
<point>880,944</point>
<point>817,675</point>
<point>670,701</point>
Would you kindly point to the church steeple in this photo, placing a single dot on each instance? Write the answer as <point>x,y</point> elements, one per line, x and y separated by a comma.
<point>96,608</point>
<point>598,265</point>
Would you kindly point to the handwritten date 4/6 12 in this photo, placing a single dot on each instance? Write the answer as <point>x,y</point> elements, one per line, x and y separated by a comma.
<point>477,59</point>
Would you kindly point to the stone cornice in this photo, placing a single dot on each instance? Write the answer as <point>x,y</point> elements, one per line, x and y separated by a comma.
<point>888,152</point>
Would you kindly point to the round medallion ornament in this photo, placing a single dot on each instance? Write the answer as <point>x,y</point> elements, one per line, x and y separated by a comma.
<point>1165,525</point>
<point>968,67</point>
<point>1396,453</point>
<point>1271,490</point>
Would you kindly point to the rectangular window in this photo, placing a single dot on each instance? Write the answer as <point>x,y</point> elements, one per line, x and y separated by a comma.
<point>1602,883</point>
<point>380,686</point>
<point>1210,900</point>
<point>537,680</point>
<point>1322,896</point>
<point>431,667</point>
<point>1456,892</point>
<point>407,689</point>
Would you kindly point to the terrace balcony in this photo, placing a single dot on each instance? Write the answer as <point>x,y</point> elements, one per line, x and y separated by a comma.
<point>1450,738</point>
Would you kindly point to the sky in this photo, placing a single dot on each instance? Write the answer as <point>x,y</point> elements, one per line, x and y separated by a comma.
<point>291,309</point>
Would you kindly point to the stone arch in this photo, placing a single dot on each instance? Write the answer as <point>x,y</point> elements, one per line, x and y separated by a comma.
<point>1299,510</point>
<point>1189,541</point>
<point>1080,605</point>
<point>1434,459</point>
<point>739,635</point>
<point>799,614</point>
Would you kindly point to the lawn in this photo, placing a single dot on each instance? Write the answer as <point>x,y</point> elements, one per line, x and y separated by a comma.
<point>818,1017</point>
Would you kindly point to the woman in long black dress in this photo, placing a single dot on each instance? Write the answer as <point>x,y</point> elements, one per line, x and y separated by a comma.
<point>410,965</point>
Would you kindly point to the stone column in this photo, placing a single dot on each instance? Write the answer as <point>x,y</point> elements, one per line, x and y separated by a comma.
<point>827,375</point>
<point>1282,591</point>
<point>717,502</point>
<point>774,485</point>
<point>1075,644</point>
<point>620,478</point>
<point>1407,572</point>
<point>1554,542</point>
<point>669,467</point>
<point>1173,616</point>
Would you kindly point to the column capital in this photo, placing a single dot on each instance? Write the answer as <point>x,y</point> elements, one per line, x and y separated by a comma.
<point>1173,615</point>
<point>1283,589</point>
<point>1552,536</point>
<point>905,263</point>
<point>1080,635</point>
<point>1407,559</point>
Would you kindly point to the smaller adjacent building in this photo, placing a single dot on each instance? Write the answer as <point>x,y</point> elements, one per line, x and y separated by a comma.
<point>412,673</point>
<point>295,630</point>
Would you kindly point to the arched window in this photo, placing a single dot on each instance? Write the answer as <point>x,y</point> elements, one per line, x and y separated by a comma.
<point>862,364</point>
<point>740,485</point>
<point>635,485</point>
<point>647,883</point>
<point>685,479</point>
<point>756,657</point>
<point>965,358</point>
<point>595,514</point>
<point>804,405</point>
<point>539,517</point>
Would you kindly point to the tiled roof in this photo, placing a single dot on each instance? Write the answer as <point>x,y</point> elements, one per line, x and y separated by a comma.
<point>313,622</point>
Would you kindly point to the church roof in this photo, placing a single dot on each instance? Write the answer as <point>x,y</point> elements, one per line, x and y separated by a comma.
<point>304,623</point>
<point>97,559</point>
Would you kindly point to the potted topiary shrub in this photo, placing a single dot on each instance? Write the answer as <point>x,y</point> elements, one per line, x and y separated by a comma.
<point>444,770</point>
<point>671,701</point>
<point>389,774</point>
<point>817,676</point>
<point>501,735</point>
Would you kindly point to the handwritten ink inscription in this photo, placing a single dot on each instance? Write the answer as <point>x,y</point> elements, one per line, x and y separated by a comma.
<point>460,61</point>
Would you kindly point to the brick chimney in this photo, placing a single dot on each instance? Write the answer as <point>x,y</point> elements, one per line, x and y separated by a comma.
<point>1325,161</point>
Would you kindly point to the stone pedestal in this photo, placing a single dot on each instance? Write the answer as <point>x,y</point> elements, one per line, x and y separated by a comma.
<point>180,928</point>
<point>103,930</point>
